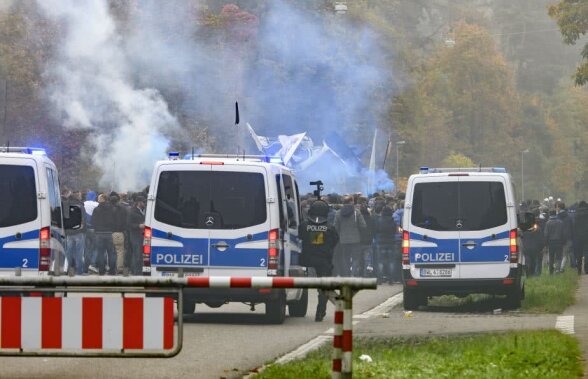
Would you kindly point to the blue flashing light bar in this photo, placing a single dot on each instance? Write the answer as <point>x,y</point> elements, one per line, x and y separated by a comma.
<point>173,155</point>
<point>269,159</point>
<point>430,170</point>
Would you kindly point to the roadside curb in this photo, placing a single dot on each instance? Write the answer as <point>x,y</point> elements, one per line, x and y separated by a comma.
<point>579,312</point>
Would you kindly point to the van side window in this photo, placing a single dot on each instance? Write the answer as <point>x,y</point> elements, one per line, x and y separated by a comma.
<point>280,202</point>
<point>18,195</point>
<point>291,201</point>
<point>54,198</point>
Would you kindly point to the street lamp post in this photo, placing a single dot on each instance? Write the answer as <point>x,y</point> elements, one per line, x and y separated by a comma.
<point>523,174</point>
<point>398,143</point>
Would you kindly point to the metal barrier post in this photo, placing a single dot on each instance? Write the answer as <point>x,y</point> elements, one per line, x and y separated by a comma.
<point>338,338</point>
<point>347,340</point>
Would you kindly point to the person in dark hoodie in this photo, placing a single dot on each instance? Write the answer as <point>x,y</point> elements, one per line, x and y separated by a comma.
<point>136,226</point>
<point>564,216</point>
<point>104,221</point>
<point>349,224</point>
<point>555,236</point>
<point>386,261</point>
<point>580,236</point>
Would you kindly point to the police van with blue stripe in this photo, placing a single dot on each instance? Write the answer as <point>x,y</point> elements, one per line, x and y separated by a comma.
<point>32,223</point>
<point>223,215</point>
<point>461,236</point>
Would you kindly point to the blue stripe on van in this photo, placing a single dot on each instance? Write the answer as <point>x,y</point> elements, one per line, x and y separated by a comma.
<point>194,252</point>
<point>481,254</point>
<point>448,250</point>
<point>445,251</point>
<point>14,257</point>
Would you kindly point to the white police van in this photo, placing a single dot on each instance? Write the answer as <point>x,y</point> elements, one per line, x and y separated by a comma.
<point>223,215</point>
<point>31,217</point>
<point>461,236</point>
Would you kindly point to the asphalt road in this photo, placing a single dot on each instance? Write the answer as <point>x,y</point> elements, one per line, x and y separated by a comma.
<point>224,342</point>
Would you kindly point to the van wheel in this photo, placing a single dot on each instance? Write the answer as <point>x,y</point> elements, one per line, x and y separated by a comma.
<point>514,299</point>
<point>298,308</point>
<point>412,300</point>
<point>188,307</point>
<point>275,310</point>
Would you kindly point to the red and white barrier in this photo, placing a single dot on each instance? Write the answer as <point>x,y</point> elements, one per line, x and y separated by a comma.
<point>98,323</point>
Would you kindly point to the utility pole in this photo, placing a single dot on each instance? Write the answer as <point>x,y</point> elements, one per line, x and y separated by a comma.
<point>398,144</point>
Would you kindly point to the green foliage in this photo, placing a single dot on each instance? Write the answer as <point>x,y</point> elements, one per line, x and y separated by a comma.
<point>572,19</point>
<point>458,160</point>
<point>546,354</point>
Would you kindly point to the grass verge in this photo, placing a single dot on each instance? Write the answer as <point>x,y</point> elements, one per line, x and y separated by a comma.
<point>543,294</point>
<point>550,293</point>
<point>534,354</point>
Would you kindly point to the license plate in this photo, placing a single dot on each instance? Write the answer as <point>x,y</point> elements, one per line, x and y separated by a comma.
<point>436,272</point>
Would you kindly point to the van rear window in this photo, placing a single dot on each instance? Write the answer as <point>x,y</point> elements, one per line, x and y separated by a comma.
<point>455,206</point>
<point>18,195</point>
<point>211,200</point>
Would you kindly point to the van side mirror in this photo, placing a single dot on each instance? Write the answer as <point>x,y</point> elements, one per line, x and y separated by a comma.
<point>72,217</point>
<point>526,220</point>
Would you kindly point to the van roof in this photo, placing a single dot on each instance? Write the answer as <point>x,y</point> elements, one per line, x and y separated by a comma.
<point>221,159</point>
<point>433,170</point>
<point>20,152</point>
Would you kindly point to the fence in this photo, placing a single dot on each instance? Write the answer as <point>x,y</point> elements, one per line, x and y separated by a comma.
<point>137,326</point>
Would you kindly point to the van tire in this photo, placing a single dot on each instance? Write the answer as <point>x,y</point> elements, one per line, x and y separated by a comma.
<point>514,299</point>
<point>188,307</point>
<point>298,308</point>
<point>275,310</point>
<point>412,300</point>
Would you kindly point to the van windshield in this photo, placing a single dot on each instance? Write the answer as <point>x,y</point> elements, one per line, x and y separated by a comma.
<point>445,206</point>
<point>18,195</point>
<point>211,200</point>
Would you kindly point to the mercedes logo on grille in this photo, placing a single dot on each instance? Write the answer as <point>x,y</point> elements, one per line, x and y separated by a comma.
<point>209,221</point>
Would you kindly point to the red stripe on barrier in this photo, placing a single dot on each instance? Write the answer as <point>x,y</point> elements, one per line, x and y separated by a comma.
<point>168,323</point>
<point>51,323</point>
<point>92,323</point>
<point>11,312</point>
<point>347,341</point>
<point>198,281</point>
<point>282,282</point>
<point>337,341</point>
<point>338,317</point>
<point>240,282</point>
<point>336,365</point>
<point>132,323</point>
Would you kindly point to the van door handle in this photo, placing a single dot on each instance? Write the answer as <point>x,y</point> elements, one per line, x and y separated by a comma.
<point>469,244</point>
<point>220,246</point>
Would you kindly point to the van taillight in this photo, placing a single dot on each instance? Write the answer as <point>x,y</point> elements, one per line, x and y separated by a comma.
<point>405,248</point>
<point>273,252</point>
<point>514,248</point>
<point>147,247</point>
<point>44,249</point>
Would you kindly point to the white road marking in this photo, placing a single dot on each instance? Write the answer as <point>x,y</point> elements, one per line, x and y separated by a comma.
<point>565,324</point>
<point>379,310</point>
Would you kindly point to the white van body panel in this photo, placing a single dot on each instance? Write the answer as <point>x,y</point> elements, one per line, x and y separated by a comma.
<point>19,243</point>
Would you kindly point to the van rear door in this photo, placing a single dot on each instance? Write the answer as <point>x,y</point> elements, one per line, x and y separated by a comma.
<point>239,235</point>
<point>484,234</point>
<point>180,236</point>
<point>20,216</point>
<point>433,231</point>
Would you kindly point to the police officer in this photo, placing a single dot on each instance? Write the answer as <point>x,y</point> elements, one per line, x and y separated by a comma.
<point>318,244</point>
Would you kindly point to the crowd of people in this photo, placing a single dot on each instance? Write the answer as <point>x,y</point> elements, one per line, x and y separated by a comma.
<point>110,238</point>
<point>369,229</point>
<point>559,236</point>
